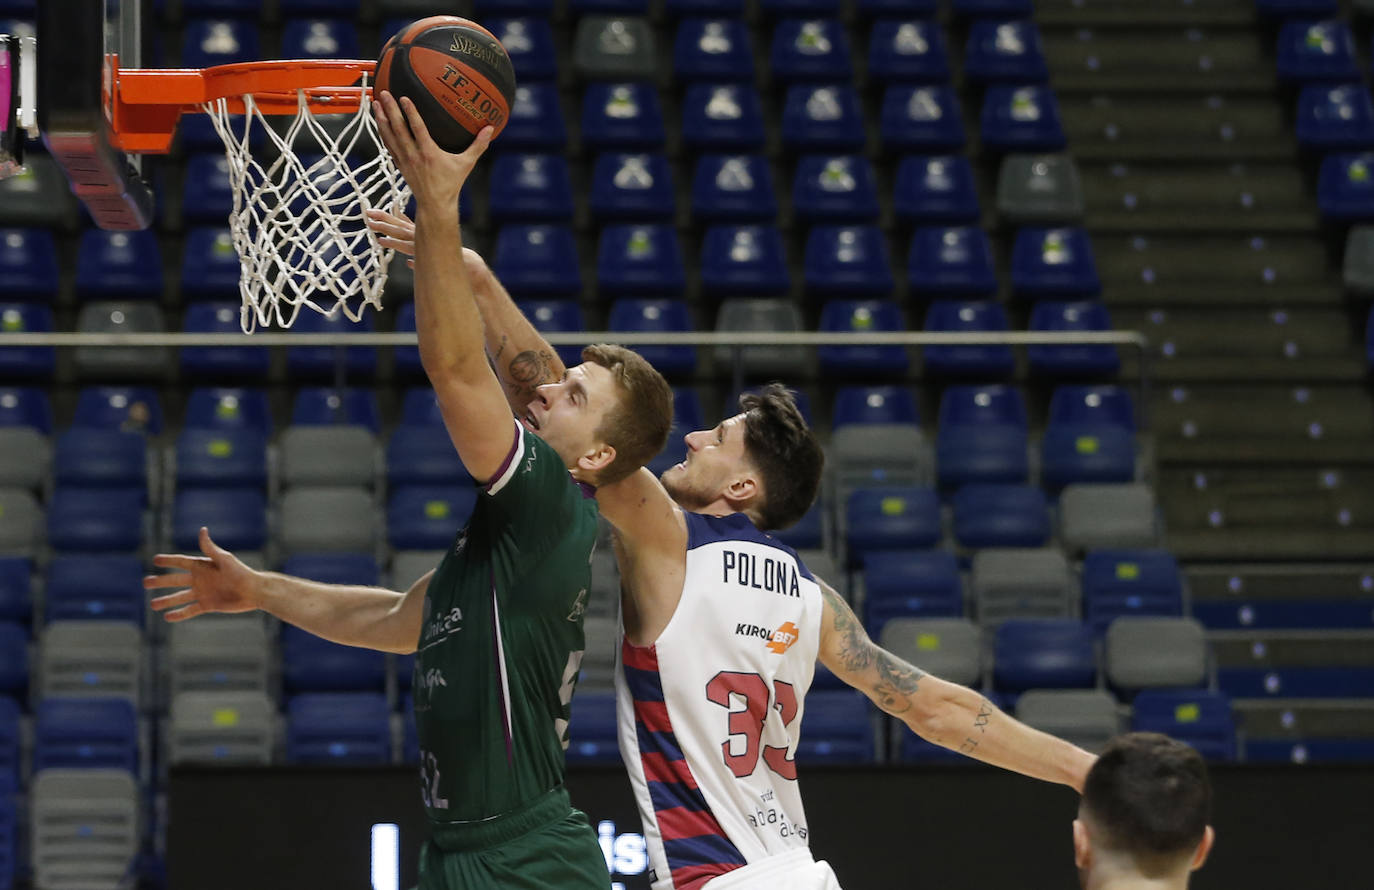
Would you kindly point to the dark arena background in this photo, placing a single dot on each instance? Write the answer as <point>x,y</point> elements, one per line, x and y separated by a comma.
<point>1076,294</point>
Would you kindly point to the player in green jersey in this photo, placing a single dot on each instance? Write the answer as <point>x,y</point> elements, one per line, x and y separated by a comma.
<point>497,627</point>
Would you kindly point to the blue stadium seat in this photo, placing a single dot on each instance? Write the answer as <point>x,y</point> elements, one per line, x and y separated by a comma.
<point>729,188</point>
<point>419,407</point>
<point>1335,117</point>
<point>207,42</point>
<point>836,728</point>
<point>835,189</point>
<point>657,315</point>
<point>641,261</point>
<point>423,455</point>
<point>536,120</point>
<point>822,118</point>
<point>11,734</point>
<point>847,261</point>
<point>1021,118</point>
<point>221,458</point>
<point>1055,262</point>
<point>862,316</point>
<point>119,265</point>
<point>982,8</point>
<point>537,261</point>
<point>809,531</point>
<point>774,9</point>
<point>749,261</point>
<point>910,584</point>
<point>715,50</point>
<point>316,405</point>
<point>486,8</point>
<point>28,264</point>
<point>1309,51</point>
<point>557,316</point>
<point>26,362</point>
<point>1197,716</point>
<point>530,188</point>
<point>1309,750</point>
<point>723,8</point>
<point>352,569</point>
<point>622,116</point>
<point>134,408</point>
<point>1298,613</point>
<point>319,362</point>
<point>632,187</point>
<point>338,728</point>
<point>1072,361</point>
<point>406,359</point>
<point>207,197</point>
<point>951,261</point>
<point>428,517</point>
<point>592,733</point>
<point>228,408</point>
<point>100,458</point>
<point>85,733</point>
<point>1285,9</point>
<point>529,43</point>
<point>1001,515</point>
<point>220,362</point>
<point>236,518</point>
<point>1118,583</point>
<point>14,660</point>
<point>868,9</point>
<point>974,361</point>
<point>26,406</point>
<point>1004,52</point>
<point>1296,682</point>
<point>210,267</point>
<point>887,519</point>
<point>314,664</point>
<point>1047,653</point>
<point>921,119</point>
<point>981,436</point>
<point>811,49</point>
<point>874,404</point>
<point>95,520</point>
<point>1090,437</point>
<point>1345,187</point>
<point>99,587</point>
<point>686,418</point>
<point>16,589</point>
<point>722,117</point>
<point>938,189</point>
<point>907,50</point>
<point>621,7</point>
<point>196,132</point>
<point>320,38</point>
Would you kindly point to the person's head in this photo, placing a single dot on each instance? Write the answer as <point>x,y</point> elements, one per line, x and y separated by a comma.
<point>1144,813</point>
<point>764,462</point>
<point>607,417</point>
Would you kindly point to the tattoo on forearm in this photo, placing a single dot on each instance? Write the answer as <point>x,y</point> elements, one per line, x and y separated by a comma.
<point>505,339</point>
<point>898,681</point>
<point>980,723</point>
<point>528,371</point>
<point>855,647</point>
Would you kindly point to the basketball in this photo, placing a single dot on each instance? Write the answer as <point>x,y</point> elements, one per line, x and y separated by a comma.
<point>457,74</point>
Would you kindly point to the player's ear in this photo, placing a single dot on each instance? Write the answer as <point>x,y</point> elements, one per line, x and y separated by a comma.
<point>1082,846</point>
<point>597,459</point>
<point>742,491</point>
<point>1208,838</point>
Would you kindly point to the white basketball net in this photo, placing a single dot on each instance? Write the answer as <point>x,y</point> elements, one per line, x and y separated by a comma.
<point>298,222</point>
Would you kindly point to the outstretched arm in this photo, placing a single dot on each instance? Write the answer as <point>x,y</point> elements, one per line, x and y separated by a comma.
<point>938,711</point>
<point>218,581</point>
<point>446,316</point>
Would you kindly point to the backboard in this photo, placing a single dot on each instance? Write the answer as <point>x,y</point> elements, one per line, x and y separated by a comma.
<point>80,44</point>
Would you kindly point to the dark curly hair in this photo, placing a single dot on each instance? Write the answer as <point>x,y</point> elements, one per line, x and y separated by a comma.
<point>785,452</point>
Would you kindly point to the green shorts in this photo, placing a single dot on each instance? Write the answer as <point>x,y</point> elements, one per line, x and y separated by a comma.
<point>544,844</point>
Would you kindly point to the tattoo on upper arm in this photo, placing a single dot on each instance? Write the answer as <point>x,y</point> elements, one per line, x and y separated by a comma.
<point>980,723</point>
<point>856,649</point>
<point>528,371</point>
<point>897,681</point>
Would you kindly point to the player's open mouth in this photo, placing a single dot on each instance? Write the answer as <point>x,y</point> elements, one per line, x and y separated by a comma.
<point>530,422</point>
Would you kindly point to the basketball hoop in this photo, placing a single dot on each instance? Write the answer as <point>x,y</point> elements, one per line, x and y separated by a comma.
<point>298,220</point>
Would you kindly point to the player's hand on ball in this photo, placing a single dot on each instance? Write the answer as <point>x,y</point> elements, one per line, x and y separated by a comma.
<point>215,582</point>
<point>435,176</point>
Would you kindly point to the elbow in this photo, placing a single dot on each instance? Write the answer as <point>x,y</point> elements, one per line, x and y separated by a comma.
<point>940,721</point>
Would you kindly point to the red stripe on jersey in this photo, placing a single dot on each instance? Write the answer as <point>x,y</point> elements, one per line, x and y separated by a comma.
<point>654,716</point>
<point>680,822</point>
<point>643,658</point>
<point>691,877</point>
<point>658,768</point>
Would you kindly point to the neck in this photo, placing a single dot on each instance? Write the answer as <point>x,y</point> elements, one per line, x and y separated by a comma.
<point>1106,877</point>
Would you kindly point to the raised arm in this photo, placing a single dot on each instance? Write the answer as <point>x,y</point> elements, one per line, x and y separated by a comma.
<point>938,711</point>
<point>448,322</point>
<point>371,617</point>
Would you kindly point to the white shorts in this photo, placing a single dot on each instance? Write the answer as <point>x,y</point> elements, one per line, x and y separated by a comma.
<point>795,870</point>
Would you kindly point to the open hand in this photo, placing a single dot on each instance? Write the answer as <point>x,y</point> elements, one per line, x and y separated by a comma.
<point>435,176</point>
<point>215,582</point>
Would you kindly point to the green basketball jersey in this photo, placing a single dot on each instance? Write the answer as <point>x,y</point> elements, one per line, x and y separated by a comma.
<point>502,640</point>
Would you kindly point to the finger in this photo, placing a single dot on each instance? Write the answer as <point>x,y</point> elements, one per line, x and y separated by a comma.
<point>209,547</point>
<point>410,263</point>
<point>423,141</point>
<point>174,579</point>
<point>405,247</point>
<point>384,128</point>
<point>392,227</point>
<point>479,144</point>
<point>177,561</point>
<point>171,600</point>
<point>182,614</point>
